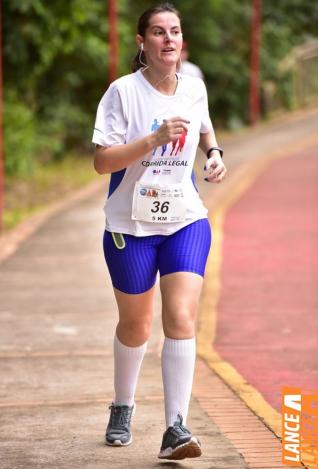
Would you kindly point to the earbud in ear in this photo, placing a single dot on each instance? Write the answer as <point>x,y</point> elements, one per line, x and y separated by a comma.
<point>142,46</point>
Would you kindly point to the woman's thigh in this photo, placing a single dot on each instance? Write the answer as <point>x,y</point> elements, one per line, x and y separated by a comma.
<point>135,317</point>
<point>186,250</point>
<point>182,261</point>
<point>133,269</point>
<point>180,293</point>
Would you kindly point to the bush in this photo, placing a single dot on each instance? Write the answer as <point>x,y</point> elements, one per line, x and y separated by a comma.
<point>20,138</point>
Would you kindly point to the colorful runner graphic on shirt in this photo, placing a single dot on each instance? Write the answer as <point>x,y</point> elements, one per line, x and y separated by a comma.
<point>180,141</point>
<point>177,145</point>
<point>163,149</point>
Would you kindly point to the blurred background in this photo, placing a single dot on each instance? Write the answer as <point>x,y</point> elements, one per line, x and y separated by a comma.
<point>56,68</point>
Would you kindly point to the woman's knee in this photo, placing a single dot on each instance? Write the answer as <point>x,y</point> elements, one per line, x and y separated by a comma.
<point>180,325</point>
<point>134,330</point>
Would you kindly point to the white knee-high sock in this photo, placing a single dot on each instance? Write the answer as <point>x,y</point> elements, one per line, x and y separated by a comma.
<point>177,364</point>
<point>127,363</point>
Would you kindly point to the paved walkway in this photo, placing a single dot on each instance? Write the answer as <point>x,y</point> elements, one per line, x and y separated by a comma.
<point>58,315</point>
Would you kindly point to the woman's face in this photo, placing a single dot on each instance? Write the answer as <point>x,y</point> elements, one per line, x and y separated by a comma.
<point>163,39</point>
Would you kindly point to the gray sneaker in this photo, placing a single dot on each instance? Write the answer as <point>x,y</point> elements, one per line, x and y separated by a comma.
<point>118,431</point>
<point>179,443</point>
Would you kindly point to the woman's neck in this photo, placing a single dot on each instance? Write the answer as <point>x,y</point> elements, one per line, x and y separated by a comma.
<point>164,81</point>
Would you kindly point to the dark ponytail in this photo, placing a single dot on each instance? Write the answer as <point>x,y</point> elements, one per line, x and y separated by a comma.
<point>142,26</point>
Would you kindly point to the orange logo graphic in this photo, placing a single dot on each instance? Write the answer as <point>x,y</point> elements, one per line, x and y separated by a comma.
<point>300,428</point>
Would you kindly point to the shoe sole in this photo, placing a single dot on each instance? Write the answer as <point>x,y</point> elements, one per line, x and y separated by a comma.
<point>118,443</point>
<point>191,449</point>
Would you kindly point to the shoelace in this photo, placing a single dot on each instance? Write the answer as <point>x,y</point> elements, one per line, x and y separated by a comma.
<point>120,416</point>
<point>181,429</point>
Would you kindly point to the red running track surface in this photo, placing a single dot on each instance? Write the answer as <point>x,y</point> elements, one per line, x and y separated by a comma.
<point>267,325</point>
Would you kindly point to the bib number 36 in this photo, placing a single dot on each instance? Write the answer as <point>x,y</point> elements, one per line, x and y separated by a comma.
<point>163,207</point>
<point>157,203</point>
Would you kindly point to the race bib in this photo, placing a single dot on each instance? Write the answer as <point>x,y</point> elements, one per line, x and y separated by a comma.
<point>158,203</point>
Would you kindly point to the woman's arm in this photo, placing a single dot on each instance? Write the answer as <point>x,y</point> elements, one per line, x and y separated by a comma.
<point>117,157</point>
<point>214,166</point>
<point>207,141</point>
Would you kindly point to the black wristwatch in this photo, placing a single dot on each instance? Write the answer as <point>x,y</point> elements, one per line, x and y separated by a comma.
<point>212,149</point>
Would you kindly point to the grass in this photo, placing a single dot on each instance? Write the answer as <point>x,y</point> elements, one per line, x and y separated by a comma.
<point>24,196</point>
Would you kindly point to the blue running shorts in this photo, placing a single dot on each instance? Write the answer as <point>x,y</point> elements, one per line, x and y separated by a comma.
<point>133,266</point>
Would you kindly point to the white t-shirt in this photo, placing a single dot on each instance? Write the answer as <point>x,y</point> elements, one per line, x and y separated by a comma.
<point>132,108</point>
<point>188,68</point>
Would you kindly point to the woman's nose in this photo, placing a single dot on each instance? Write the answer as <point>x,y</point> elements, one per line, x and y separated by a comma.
<point>167,36</point>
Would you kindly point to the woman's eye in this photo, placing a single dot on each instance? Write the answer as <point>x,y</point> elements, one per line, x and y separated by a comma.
<point>161,33</point>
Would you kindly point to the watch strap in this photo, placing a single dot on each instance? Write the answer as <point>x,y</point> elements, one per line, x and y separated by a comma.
<point>219,149</point>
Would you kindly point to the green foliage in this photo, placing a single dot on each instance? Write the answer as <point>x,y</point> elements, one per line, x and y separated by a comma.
<point>55,63</point>
<point>285,25</point>
<point>218,33</point>
<point>20,140</point>
<point>218,36</point>
<point>55,67</point>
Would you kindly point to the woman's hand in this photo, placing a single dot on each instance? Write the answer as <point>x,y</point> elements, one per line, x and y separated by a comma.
<point>171,130</point>
<point>215,168</point>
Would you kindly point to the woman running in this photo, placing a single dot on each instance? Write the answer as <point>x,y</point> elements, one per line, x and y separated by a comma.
<point>148,127</point>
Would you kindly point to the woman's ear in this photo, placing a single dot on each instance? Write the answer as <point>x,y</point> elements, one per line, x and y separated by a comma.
<point>140,41</point>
